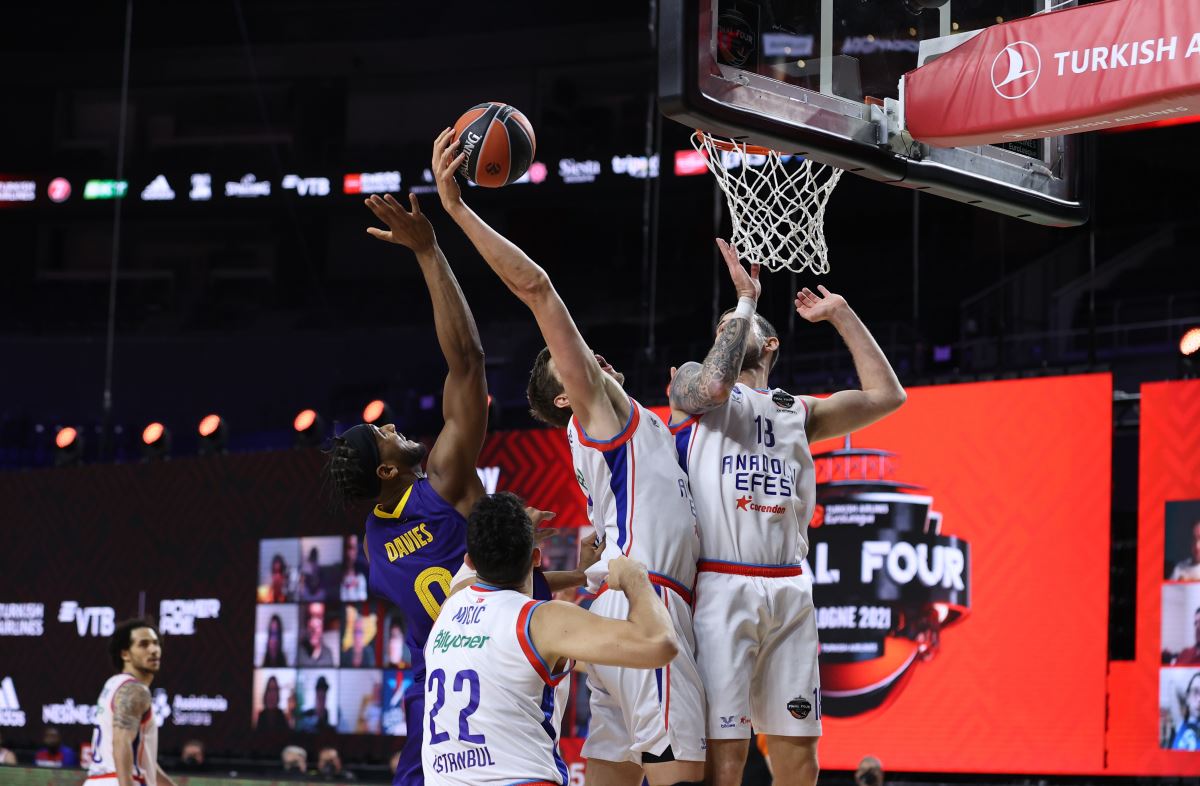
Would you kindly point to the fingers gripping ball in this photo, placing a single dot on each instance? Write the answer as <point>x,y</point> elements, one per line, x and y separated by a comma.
<point>498,142</point>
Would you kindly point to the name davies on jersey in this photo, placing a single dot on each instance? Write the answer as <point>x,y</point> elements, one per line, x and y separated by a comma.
<point>407,542</point>
<point>760,472</point>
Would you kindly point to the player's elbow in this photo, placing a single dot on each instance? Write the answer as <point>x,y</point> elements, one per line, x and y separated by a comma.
<point>718,390</point>
<point>660,649</point>
<point>896,398</point>
<point>533,287</point>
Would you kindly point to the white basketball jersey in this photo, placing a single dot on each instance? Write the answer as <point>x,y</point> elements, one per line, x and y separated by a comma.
<point>145,744</point>
<point>638,496</point>
<point>491,709</point>
<point>752,477</point>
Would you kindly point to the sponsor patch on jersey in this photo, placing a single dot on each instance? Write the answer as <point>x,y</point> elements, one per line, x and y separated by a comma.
<point>800,707</point>
<point>446,641</point>
<point>783,399</point>
<point>748,503</point>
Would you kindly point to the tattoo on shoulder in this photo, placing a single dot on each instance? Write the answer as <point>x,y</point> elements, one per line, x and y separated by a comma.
<point>130,704</point>
<point>692,388</point>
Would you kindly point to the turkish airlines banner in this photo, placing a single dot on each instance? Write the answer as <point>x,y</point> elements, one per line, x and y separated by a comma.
<point>1082,69</point>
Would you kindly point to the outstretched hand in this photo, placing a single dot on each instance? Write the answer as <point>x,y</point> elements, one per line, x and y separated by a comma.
<point>819,308</point>
<point>746,284</point>
<point>446,161</point>
<point>411,230</point>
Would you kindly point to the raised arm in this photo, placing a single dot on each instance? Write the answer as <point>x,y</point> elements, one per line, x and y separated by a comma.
<point>698,387</point>
<point>849,410</point>
<point>585,383</point>
<point>451,464</point>
<point>130,705</point>
<point>646,640</point>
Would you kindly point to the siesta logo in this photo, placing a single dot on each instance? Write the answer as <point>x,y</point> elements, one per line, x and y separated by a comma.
<point>89,620</point>
<point>11,713</point>
<point>1016,70</point>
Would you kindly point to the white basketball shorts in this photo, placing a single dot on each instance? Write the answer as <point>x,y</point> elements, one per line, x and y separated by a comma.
<point>756,646</point>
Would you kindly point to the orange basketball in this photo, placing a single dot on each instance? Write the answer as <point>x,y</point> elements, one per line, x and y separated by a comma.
<point>499,144</point>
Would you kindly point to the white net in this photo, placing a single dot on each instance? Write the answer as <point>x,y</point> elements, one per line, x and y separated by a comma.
<point>777,203</point>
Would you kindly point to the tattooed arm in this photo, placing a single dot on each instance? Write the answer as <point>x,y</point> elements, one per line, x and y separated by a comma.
<point>698,387</point>
<point>130,705</point>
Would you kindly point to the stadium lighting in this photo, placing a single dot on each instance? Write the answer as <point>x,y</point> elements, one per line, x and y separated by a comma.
<point>156,442</point>
<point>1189,343</point>
<point>309,427</point>
<point>68,447</point>
<point>378,413</point>
<point>213,434</point>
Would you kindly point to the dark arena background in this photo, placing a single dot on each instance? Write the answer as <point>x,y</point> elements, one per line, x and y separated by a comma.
<point>191,308</point>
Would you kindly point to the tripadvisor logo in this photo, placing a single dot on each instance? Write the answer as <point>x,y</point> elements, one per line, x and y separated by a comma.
<point>445,641</point>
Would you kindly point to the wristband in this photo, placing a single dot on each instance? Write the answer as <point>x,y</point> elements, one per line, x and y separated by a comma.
<point>745,308</point>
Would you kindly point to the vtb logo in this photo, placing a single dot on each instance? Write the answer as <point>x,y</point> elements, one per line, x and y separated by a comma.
<point>89,620</point>
<point>1016,70</point>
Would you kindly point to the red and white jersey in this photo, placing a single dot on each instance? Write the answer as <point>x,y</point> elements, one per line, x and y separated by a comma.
<point>145,744</point>
<point>638,495</point>
<point>491,709</point>
<point>752,477</point>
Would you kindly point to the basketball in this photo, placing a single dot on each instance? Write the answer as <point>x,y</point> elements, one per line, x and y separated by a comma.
<point>499,144</point>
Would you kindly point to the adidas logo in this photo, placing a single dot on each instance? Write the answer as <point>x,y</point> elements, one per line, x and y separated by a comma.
<point>159,190</point>
<point>11,713</point>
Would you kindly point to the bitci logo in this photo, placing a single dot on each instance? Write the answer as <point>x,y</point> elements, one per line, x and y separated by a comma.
<point>1016,70</point>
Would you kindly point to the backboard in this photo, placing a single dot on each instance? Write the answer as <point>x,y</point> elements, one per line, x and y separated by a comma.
<point>821,78</point>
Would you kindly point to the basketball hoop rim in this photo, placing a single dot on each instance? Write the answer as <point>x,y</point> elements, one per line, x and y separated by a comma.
<point>730,146</point>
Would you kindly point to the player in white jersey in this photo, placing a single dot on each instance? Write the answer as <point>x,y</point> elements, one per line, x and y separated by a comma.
<point>495,656</point>
<point>746,449</point>
<point>125,740</point>
<point>643,723</point>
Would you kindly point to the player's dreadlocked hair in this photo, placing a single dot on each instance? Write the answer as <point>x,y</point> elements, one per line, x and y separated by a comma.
<point>349,474</point>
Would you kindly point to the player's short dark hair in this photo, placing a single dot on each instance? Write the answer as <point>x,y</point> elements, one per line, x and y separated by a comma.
<point>764,326</point>
<point>500,539</point>
<point>122,638</point>
<point>543,388</point>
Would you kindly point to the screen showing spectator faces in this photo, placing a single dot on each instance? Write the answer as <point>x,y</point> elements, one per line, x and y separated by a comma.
<point>320,658</point>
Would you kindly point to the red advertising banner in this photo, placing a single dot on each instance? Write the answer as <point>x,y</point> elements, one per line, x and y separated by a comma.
<point>536,465</point>
<point>992,500</point>
<point>1088,68</point>
<point>1154,701</point>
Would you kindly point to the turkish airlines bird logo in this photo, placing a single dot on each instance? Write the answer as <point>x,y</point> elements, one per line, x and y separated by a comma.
<point>1016,69</point>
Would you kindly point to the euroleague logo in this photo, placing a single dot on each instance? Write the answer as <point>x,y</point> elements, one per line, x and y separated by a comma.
<point>1016,70</point>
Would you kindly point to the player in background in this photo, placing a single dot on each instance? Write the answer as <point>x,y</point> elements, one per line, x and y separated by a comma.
<point>647,723</point>
<point>125,739</point>
<point>495,655</point>
<point>746,449</point>
<point>416,533</point>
